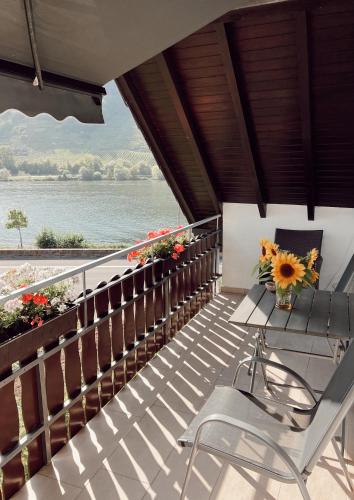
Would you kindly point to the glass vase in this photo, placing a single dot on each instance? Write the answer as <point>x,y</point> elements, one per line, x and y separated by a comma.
<point>283,298</point>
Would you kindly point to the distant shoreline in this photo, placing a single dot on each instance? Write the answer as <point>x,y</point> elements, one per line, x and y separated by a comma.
<point>58,178</point>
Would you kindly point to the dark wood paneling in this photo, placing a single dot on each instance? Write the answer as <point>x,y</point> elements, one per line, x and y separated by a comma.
<point>292,65</point>
<point>54,381</point>
<point>104,347</point>
<point>13,473</point>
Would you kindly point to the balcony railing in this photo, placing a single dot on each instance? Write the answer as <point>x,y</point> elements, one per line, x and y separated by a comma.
<point>56,378</point>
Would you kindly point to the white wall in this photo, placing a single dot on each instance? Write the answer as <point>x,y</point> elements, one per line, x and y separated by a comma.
<point>243,228</point>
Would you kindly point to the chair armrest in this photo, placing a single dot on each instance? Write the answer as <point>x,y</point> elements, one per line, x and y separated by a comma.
<point>265,361</point>
<point>249,429</point>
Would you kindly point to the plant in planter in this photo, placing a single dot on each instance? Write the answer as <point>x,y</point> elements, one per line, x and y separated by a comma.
<point>32,309</point>
<point>172,246</point>
<point>289,272</point>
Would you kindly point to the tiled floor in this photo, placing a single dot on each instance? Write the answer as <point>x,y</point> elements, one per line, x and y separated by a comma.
<point>129,450</point>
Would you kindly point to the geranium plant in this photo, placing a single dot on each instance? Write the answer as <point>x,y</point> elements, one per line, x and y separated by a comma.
<point>32,309</point>
<point>171,246</point>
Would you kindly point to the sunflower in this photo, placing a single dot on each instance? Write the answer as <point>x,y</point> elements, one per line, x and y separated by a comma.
<point>272,250</point>
<point>312,256</point>
<point>287,269</point>
<point>314,276</point>
<point>264,257</point>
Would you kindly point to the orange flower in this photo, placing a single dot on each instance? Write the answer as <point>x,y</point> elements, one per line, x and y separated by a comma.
<point>314,276</point>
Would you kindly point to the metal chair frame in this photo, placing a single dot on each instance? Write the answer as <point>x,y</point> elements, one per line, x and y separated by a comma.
<point>295,475</point>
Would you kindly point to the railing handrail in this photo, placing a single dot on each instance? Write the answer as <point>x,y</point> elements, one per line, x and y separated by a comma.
<point>102,260</point>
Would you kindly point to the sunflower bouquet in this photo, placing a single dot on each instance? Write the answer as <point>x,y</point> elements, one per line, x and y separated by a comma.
<point>289,272</point>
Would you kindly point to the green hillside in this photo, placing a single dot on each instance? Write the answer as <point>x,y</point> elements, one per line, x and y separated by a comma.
<point>41,137</point>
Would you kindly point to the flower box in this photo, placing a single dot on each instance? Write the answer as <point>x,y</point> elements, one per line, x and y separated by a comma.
<point>24,345</point>
<point>170,247</point>
<point>23,314</point>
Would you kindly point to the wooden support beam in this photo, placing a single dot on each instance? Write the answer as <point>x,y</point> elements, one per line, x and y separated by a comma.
<point>187,123</point>
<point>302,42</point>
<point>136,105</point>
<point>241,112</point>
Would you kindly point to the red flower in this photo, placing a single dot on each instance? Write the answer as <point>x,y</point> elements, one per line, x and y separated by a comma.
<point>40,299</point>
<point>27,297</point>
<point>133,255</point>
<point>175,256</point>
<point>166,230</point>
<point>152,234</point>
<point>178,248</point>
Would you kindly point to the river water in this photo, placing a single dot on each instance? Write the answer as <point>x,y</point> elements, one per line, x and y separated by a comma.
<point>104,211</point>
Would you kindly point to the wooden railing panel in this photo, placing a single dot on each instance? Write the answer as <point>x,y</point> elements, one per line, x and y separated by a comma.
<point>32,415</point>
<point>104,345</point>
<point>54,381</point>
<point>13,472</point>
<point>129,325</point>
<point>115,299</point>
<point>73,384</point>
<point>89,358</point>
<point>158,296</point>
<point>139,284</point>
<point>149,311</point>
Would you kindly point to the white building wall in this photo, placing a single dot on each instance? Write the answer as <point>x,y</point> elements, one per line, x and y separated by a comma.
<point>243,228</point>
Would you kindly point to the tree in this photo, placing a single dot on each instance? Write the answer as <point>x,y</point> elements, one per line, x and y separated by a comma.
<point>86,174</point>
<point>143,168</point>
<point>7,160</point>
<point>156,173</point>
<point>17,219</point>
<point>121,173</point>
<point>4,174</point>
<point>97,176</point>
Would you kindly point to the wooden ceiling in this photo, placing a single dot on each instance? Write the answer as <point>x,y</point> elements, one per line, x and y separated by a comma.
<point>257,107</point>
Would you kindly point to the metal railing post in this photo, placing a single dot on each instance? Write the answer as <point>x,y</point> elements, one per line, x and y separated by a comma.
<point>84,293</point>
<point>217,254</point>
<point>43,406</point>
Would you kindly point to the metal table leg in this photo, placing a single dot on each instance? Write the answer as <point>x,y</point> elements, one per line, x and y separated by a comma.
<point>258,351</point>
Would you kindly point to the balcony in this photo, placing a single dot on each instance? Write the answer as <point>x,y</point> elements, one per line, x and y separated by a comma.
<point>129,451</point>
<point>93,405</point>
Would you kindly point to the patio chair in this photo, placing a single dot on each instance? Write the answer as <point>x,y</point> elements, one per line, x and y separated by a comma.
<point>346,277</point>
<point>235,427</point>
<point>300,242</point>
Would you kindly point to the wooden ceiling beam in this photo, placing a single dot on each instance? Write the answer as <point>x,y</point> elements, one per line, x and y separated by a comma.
<point>240,112</point>
<point>187,123</point>
<point>141,115</point>
<point>304,82</point>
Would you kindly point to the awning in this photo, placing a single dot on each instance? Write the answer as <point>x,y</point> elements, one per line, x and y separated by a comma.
<point>77,46</point>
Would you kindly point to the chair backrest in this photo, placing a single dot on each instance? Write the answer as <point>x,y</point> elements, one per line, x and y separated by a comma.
<point>298,241</point>
<point>346,276</point>
<point>332,408</point>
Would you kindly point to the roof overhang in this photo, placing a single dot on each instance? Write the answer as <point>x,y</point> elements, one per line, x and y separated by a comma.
<point>255,107</point>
